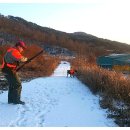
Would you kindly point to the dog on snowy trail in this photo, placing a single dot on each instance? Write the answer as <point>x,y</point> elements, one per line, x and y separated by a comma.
<point>71,72</point>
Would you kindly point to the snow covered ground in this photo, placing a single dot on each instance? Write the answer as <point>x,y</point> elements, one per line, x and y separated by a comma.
<point>55,101</point>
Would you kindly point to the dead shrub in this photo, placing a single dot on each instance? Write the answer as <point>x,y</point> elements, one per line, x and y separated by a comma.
<point>110,85</point>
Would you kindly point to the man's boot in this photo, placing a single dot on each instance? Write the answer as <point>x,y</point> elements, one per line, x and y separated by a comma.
<point>19,102</point>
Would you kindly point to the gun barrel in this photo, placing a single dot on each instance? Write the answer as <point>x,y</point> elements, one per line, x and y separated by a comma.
<point>29,60</point>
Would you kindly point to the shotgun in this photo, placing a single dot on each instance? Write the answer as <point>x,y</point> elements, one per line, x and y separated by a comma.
<point>21,66</point>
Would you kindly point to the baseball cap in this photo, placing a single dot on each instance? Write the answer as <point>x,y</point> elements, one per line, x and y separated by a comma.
<point>21,44</point>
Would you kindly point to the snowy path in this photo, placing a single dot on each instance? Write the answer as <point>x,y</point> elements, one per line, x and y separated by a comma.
<point>54,101</point>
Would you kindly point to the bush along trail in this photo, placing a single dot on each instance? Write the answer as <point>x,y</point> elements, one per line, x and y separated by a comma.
<point>57,100</point>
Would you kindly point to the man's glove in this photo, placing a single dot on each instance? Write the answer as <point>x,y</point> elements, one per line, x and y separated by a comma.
<point>24,59</point>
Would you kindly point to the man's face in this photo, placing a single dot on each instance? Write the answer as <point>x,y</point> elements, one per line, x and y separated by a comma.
<point>20,49</point>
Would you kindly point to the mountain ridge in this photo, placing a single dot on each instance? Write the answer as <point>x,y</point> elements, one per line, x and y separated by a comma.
<point>13,28</point>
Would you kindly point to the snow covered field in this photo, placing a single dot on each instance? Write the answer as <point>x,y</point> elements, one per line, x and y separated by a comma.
<point>55,101</point>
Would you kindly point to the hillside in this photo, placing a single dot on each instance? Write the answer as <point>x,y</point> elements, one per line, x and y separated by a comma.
<point>14,28</point>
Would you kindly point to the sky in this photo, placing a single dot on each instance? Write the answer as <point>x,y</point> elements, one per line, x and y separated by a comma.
<point>109,19</point>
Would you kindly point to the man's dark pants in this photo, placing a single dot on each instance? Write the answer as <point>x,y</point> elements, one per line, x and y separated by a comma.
<point>14,91</point>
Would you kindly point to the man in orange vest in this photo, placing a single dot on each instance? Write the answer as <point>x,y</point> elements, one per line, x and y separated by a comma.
<point>11,60</point>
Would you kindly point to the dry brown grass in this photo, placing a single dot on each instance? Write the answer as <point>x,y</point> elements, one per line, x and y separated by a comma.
<point>110,85</point>
<point>100,80</point>
<point>41,67</point>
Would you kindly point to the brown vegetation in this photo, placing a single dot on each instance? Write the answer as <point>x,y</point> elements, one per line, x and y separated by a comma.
<point>43,65</point>
<point>113,87</point>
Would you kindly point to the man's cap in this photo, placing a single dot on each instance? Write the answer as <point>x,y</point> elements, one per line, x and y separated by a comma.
<point>21,44</point>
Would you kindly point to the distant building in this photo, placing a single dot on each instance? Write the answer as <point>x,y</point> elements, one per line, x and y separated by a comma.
<point>119,62</point>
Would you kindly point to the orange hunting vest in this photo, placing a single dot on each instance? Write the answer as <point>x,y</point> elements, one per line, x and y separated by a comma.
<point>11,57</point>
